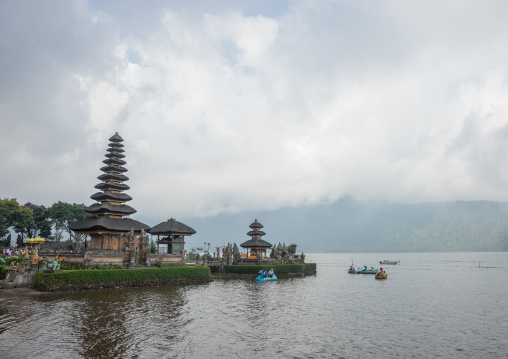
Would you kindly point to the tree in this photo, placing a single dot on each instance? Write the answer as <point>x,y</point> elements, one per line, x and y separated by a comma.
<point>14,217</point>
<point>153,247</point>
<point>23,218</point>
<point>41,224</point>
<point>292,248</point>
<point>62,214</point>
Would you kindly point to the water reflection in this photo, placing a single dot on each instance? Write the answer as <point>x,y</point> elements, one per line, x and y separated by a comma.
<point>431,305</point>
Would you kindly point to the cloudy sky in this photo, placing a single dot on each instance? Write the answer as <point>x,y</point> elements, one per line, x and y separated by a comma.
<point>228,106</point>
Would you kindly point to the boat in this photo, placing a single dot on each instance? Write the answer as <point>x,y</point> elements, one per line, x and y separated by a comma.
<point>367,271</point>
<point>352,269</point>
<point>389,262</point>
<point>381,274</point>
<point>260,278</point>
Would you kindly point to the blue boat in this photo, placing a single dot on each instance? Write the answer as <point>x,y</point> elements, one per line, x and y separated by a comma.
<point>260,278</point>
<point>367,271</point>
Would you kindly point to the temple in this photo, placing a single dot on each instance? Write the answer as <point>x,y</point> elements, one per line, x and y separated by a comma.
<point>110,222</point>
<point>256,247</point>
<point>173,233</point>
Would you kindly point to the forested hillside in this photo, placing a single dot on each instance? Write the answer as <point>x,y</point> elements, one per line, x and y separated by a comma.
<point>351,226</point>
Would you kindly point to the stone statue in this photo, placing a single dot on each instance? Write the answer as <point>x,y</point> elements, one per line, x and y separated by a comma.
<point>52,264</point>
<point>229,254</point>
<point>144,248</point>
<point>236,254</point>
<point>285,253</point>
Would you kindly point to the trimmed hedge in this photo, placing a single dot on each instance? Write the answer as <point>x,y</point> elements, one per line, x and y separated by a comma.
<point>277,268</point>
<point>129,277</point>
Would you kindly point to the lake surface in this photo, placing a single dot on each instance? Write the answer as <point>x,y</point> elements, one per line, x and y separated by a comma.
<point>431,305</point>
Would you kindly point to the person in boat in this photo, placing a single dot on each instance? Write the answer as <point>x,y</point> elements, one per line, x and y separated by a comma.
<point>270,273</point>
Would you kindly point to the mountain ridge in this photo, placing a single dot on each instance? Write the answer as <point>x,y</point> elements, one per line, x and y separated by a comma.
<point>348,225</point>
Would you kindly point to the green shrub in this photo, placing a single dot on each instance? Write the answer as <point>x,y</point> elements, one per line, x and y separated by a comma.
<point>160,264</point>
<point>277,268</point>
<point>309,267</point>
<point>3,271</point>
<point>70,265</point>
<point>44,281</point>
<point>104,266</point>
<point>9,260</point>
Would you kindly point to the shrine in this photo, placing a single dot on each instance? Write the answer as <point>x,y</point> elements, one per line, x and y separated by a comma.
<point>256,247</point>
<point>110,229</point>
<point>173,233</point>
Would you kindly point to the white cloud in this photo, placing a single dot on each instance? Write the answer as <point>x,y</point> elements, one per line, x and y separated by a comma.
<point>225,112</point>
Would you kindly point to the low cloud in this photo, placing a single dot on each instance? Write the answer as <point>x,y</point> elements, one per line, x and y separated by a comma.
<point>226,110</point>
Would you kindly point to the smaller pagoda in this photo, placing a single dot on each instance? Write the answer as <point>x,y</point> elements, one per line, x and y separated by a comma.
<point>173,233</point>
<point>256,247</point>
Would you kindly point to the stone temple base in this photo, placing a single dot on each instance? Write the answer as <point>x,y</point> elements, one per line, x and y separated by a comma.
<point>113,258</point>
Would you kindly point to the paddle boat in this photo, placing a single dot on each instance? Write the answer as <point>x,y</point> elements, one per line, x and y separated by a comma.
<point>260,278</point>
<point>381,274</point>
<point>389,262</point>
<point>352,270</point>
<point>367,271</point>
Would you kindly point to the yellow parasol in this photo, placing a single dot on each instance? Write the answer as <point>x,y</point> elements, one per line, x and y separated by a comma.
<point>36,240</point>
<point>39,240</point>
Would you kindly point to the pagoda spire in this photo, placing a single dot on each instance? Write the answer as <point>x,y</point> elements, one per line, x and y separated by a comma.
<point>111,200</point>
<point>110,209</point>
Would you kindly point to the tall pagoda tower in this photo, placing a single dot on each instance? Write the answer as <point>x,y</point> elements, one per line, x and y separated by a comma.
<point>256,245</point>
<point>110,220</point>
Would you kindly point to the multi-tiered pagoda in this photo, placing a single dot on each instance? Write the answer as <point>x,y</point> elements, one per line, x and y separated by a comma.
<point>109,223</point>
<point>256,245</point>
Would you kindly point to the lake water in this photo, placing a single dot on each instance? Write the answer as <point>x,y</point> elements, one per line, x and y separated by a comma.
<point>431,305</point>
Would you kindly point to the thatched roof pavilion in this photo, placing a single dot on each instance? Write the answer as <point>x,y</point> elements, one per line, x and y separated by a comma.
<point>173,233</point>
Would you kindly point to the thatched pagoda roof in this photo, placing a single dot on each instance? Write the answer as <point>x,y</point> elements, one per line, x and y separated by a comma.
<point>117,155</point>
<point>256,243</point>
<point>98,208</point>
<point>113,168</point>
<point>111,176</point>
<point>256,233</point>
<point>114,161</point>
<point>256,224</point>
<point>111,185</point>
<point>116,138</point>
<point>171,226</point>
<point>120,197</point>
<point>109,224</point>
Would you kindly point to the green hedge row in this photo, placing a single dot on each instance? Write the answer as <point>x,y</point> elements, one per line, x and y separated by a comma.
<point>45,281</point>
<point>277,268</point>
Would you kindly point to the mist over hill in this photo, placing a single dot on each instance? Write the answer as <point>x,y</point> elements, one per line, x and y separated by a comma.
<point>351,226</point>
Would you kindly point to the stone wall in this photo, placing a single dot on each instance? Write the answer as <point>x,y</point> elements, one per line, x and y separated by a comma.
<point>108,258</point>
